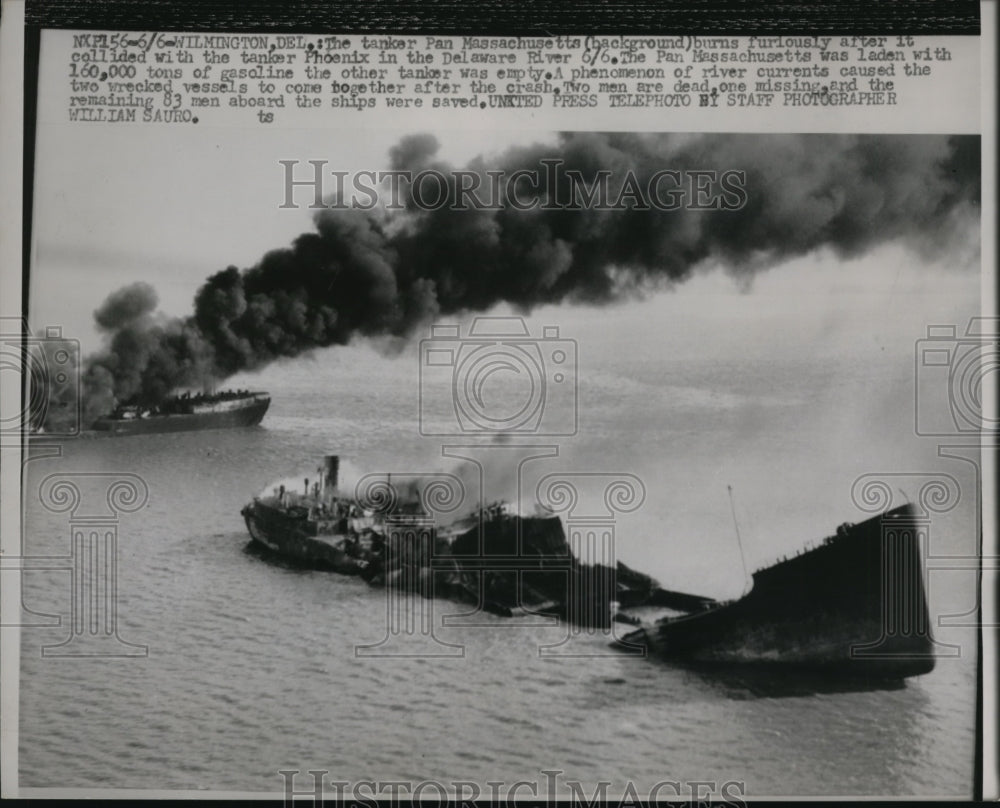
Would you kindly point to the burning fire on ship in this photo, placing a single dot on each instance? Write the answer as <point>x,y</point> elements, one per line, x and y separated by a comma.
<point>186,412</point>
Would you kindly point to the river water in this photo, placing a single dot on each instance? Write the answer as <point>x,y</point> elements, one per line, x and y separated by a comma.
<point>253,667</point>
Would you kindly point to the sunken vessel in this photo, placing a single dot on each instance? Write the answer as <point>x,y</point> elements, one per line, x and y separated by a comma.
<point>492,557</point>
<point>853,605</point>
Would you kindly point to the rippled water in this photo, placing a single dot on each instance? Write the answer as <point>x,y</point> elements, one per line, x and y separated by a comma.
<point>252,666</point>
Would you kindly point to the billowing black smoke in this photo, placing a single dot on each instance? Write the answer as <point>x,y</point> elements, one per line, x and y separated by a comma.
<point>386,272</point>
<point>147,355</point>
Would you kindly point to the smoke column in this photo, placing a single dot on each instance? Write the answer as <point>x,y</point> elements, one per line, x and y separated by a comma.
<point>387,272</point>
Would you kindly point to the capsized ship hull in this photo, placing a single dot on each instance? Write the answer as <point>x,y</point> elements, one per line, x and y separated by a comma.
<point>246,410</point>
<point>855,604</point>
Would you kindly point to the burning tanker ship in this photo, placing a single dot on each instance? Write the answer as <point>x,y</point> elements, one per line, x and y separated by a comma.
<point>185,413</point>
<point>854,605</point>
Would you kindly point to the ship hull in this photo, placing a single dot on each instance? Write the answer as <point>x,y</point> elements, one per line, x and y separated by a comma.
<point>250,415</point>
<point>271,528</point>
<point>855,605</point>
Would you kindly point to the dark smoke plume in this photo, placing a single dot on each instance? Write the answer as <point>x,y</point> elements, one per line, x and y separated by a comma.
<point>386,272</point>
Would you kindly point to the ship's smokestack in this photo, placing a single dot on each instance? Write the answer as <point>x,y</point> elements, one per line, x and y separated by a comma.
<point>332,469</point>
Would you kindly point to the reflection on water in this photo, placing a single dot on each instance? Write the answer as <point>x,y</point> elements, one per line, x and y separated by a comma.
<point>776,681</point>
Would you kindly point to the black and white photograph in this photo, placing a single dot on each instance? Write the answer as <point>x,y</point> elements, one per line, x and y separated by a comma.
<point>384,454</point>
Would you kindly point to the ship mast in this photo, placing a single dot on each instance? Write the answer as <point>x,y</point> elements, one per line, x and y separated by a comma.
<point>739,542</point>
